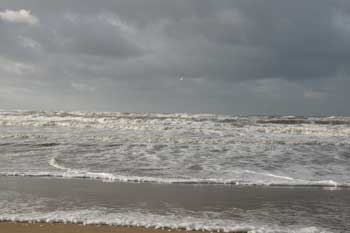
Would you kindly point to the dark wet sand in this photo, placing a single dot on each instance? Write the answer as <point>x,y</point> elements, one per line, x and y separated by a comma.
<point>310,206</point>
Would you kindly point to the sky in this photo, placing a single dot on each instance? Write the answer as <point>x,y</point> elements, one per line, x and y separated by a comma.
<point>229,57</point>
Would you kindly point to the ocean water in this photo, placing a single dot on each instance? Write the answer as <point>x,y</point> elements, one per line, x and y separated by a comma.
<point>174,149</point>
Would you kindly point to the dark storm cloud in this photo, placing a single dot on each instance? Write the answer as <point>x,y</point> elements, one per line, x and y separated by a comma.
<point>240,56</point>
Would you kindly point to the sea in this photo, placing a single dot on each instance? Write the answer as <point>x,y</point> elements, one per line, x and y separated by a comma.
<point>222,173</point>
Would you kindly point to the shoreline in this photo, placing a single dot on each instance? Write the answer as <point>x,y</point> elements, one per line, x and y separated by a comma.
<point>59,227</point>
<point>29,205</point>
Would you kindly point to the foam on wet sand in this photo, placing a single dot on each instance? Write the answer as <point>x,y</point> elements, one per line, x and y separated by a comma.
<point>26,227</point>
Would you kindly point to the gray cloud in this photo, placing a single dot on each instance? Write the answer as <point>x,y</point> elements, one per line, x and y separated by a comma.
<point>20,16</point>
<point>244,56</point>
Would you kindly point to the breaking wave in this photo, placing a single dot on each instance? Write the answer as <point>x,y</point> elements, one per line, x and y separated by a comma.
<point>277,180</point>
<point>112,119</point>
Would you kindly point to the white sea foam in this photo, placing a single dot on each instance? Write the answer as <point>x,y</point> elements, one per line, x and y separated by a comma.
<point>278,179</point>
<point>149,220</point>
<point>118,120</point>
<point>298,182</point>
<point>260,178</point>
<point>271,175</point>
<point>53,162</point>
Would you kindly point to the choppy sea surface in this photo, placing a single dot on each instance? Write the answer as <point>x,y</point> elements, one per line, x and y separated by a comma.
<point>190,149</point>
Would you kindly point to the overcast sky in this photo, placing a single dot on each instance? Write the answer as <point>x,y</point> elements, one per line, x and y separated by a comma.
<point>234,56</point>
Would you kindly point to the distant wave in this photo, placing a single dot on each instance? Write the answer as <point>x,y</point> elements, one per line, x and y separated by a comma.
<point>107,119</point>
<point>286,125</point>
<point>320,121</point>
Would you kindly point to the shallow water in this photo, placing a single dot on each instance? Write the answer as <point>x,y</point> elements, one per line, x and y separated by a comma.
<point>212,207</point>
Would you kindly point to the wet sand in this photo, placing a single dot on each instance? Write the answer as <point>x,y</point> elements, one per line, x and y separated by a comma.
<point>23,227</point>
